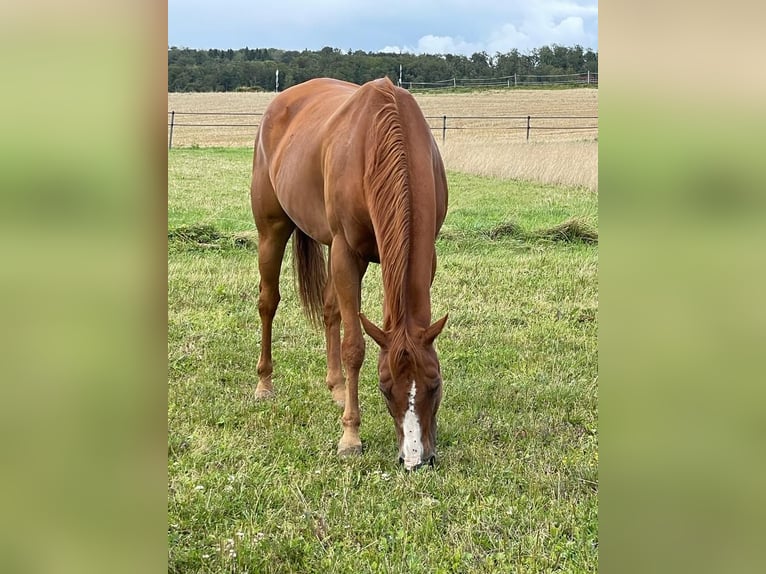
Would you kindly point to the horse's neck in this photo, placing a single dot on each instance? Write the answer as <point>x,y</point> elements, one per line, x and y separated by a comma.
<point>417,289</point>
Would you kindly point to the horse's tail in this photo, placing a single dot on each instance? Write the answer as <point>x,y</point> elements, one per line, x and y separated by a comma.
<point>310,275</point>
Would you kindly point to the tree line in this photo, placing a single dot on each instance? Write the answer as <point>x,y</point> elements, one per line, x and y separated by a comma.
<point>191,70</point>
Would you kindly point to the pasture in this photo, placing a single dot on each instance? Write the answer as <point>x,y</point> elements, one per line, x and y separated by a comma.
<point>257,486</point>
<point>489,147</point>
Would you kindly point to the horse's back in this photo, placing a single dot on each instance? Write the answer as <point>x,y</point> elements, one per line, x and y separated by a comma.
<point>311,154</point>
<point>300,112</point>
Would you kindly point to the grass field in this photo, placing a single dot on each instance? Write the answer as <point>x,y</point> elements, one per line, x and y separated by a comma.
<point>490,147</point>
<point>257,486</point>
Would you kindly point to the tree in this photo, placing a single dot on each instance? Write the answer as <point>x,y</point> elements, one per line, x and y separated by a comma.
<point>209,70</point>
<point>482,65</point>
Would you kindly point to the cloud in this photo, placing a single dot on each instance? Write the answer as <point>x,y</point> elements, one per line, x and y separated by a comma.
<point>571,27</point>
<point>535,31</point>
<point>572,9</point>
<point>507,38</point>
<point>431,44</point>
<point>427,26</point>
<point>523,26</point>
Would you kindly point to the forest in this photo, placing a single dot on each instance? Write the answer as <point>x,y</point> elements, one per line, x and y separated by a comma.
<point>246,69</point>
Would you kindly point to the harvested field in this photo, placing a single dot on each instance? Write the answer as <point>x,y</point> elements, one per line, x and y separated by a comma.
<point>562,147</point>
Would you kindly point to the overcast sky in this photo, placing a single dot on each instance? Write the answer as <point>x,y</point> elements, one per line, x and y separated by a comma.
<point>417,26</point>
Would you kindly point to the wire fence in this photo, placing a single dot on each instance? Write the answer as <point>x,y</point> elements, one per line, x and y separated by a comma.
<point>516,80</point>
<point>526,124</point>
<point>584,126</point>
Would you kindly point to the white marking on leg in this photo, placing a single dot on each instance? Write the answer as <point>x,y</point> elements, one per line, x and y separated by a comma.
<point>412,446</point>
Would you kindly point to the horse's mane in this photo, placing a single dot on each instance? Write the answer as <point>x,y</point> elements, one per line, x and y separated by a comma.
<point>387,181</point>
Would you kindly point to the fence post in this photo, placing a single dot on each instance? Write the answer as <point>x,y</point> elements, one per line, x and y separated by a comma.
<point>528,118</point>
<point>172,122</point>
<point>588,77</point>
<point>444,129</point>
<point>514,80</point>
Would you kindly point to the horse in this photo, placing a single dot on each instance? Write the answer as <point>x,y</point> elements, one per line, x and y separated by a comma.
<point>356,169</point>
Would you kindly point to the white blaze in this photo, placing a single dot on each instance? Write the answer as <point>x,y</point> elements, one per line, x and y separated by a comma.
<point>412,447</point>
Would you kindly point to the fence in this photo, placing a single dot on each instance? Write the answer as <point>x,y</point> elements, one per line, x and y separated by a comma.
<point>519,123</point>
<point>516,80</point>
<point>172,123</point>
<point>587,125</point>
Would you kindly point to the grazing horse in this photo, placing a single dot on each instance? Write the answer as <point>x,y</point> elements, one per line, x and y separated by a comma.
<point>355,168</point>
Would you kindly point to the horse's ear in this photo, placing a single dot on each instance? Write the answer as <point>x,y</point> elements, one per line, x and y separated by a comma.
<point>433,331</point>
<point>378,335</point>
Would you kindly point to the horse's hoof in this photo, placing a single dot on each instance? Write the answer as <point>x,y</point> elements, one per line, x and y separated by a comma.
<point>263,393</point>
<point>349,450</point>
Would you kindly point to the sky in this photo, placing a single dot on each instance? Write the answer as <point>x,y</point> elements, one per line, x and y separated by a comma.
<point>413,26</point>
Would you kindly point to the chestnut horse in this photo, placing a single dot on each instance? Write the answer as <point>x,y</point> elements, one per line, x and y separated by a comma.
<point>355,168</point>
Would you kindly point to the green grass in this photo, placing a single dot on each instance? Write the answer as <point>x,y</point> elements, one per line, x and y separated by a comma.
<point>257,486</point>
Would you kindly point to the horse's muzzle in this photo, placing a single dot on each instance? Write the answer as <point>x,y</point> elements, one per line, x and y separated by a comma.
<point>430,461</point>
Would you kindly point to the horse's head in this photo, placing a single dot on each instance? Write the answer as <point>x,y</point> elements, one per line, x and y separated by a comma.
<point>411,383</point>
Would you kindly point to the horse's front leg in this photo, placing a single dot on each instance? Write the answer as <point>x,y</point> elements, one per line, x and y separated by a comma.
<point>347,273</point>
<point>335,380</point>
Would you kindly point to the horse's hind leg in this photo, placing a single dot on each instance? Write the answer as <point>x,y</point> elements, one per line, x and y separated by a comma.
<point>274,230</point>
<point>272,239</point>
<point>334,381</point>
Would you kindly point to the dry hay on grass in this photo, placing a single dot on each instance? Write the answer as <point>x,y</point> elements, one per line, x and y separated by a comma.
<point>508,229</point>
<point>205,236</point>
<point>570,231</point>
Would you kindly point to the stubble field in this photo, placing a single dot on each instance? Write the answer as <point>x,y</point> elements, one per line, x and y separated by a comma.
<point>562,148</point>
